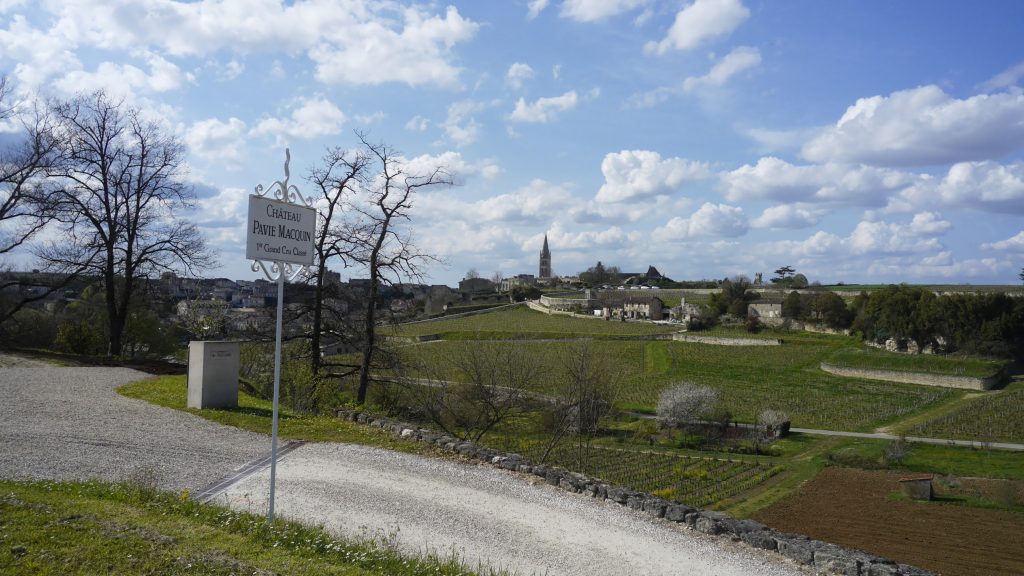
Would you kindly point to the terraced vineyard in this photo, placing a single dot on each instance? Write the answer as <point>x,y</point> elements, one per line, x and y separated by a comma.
<point>750,379</point>
<point>690,480</point>
<point>881,360</point>
<point>998,417</point>
<point>523,322</point>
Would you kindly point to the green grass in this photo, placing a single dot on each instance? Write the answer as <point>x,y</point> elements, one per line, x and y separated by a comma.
<point>749,379</point>
<point>871,358</point>
<point>255,415</point>
<point>524,322</point>
<point>994,417</point>
<point>92,528</point>
<point>933,458</point>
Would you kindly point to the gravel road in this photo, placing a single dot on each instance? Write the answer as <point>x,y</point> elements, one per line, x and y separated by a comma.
<point>487,515</point>
<point>70,423</point>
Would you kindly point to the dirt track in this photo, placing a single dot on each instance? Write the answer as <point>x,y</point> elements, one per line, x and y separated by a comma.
<point>856,508</point>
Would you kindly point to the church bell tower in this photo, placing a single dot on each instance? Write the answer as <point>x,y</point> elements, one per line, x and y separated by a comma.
<point>545,260</point>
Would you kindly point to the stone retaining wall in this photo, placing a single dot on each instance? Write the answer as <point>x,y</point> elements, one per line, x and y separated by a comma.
<point>829,558</point>
<point>723,341</point>
<point>923,378</point>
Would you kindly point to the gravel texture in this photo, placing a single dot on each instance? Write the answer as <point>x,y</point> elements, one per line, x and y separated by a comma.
<point>70,423</point>
<point>487,515</point>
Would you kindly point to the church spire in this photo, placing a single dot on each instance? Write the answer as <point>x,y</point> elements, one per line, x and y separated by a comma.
<point>545,260</point>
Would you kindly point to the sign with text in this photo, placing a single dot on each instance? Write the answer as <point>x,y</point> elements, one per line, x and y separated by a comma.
<point>280,231</point>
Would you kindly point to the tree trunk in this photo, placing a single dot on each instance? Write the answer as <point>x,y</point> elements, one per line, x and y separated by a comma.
<point>314,341</point>
<point>369,332</point>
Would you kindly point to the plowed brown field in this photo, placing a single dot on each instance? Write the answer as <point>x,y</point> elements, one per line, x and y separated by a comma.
<point>855,508</point>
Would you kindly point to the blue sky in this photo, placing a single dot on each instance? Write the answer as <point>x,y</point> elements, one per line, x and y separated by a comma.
<point>863,141</point>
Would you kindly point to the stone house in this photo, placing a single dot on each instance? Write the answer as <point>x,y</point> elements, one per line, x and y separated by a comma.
<point>475,285</point>
<point>643,308</point>
<point>765,309</point>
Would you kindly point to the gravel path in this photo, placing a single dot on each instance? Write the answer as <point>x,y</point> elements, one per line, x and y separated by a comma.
<point>70,423</point>
<point>487,515</point>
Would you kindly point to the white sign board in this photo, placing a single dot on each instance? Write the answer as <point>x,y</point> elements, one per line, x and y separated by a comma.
<point>280,231</point>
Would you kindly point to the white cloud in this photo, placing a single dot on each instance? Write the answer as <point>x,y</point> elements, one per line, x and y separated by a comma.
<point>373,118</point>
<point>518,73</point>
<point>544,109</point>
<point>896,238</point>
<point>1012,244</point>
<point>454,164</point>
<point>126,80</point>
<point>613,237</point>
<point>533,205</point>
<point>535,7</point>
<point>778,140</point>
<point>310,118</point>
<point>740,59</point>
<point>596,10</point>
<point>350,41</point>
<point>787,216</point>
<point>223,210</point>
<point>374,53</point>
<point>460,126</point>
<point>709,220</point>
<point>778,180</point>
<point>700,22</point>
<point>216,141</point>
<point>417,124</point>
<point>986,186</point>
<point>634,174</point>
<point>923,126</point>
<point>556,71</point>
<point>1005,79</point>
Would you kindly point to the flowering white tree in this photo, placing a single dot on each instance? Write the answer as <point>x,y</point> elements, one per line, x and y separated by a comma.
<point>684,403</point>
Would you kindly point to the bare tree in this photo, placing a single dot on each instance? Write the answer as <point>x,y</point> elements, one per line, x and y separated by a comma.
<point>587,390</point>
<point>381,243</point>
<point>497,277</point>
<point>472,274</point>
<point>340,177</point>
<point>25,202</point>
<point>120,193</point>
<point>494,382</point>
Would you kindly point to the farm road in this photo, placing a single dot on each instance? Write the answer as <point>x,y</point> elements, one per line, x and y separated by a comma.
<point>70,423</point>
<point>883,436</point>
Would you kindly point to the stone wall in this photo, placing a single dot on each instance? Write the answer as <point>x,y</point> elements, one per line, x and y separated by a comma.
<point>824,557</point>
<point>722,341</point>
<point>923,378</point>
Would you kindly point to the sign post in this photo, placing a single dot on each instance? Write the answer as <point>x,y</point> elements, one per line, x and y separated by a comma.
<point>280,231</point>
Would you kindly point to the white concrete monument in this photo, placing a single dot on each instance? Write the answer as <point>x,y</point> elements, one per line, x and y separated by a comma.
<point>212,374</point>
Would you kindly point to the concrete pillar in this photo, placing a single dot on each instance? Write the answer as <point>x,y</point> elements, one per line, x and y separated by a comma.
<point>213,374</point>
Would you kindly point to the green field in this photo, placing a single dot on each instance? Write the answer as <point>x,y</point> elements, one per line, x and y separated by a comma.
<point>872,358</point>
<point>994,417</point>
<point>750,379</point>
<point>525,323</point>
<point>691,480</point>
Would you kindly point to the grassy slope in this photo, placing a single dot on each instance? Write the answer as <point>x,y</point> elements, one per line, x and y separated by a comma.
<point>749,379</point>
<point>523,321</point>
<point>97,528</point>
<point>255,415</point>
